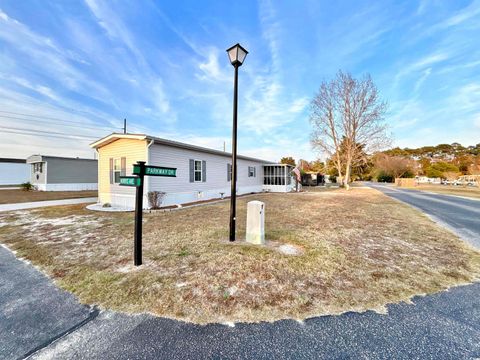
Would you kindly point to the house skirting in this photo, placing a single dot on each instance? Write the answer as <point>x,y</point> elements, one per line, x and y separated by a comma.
<point>67,187</point>
<point>127,201</point>
<point>280,188</point>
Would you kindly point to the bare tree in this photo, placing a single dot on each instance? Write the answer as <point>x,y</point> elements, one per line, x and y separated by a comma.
<point>396,166</point>
<point>347,115</point>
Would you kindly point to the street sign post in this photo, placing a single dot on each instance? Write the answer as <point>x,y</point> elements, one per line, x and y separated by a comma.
<point>156,170</point>
<point>130,181</point>
<point>140,170</point>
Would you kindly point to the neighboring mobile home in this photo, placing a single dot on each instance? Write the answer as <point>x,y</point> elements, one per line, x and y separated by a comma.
<point>202,174</point>
<point>53,173</point>
<point>13,171</point>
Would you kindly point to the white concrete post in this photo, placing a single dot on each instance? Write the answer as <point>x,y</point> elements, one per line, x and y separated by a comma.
<point>256,222</point>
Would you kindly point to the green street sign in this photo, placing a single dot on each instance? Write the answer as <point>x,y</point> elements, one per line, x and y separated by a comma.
<point>156,170</point>
<point>130,181</point>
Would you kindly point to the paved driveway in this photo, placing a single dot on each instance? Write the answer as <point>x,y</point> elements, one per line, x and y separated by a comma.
<point>39,319</point>
<point>460,215</point>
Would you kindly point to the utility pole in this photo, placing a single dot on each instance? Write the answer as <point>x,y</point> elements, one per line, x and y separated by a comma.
<point>124,126</point>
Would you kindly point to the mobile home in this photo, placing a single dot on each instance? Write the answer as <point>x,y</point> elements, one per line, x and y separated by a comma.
<point>53,173</point>
<point>202,173</point>
<point>13,171</point>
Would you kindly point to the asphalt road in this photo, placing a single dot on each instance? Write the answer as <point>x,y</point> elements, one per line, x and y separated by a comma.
<point>460,215</point>
<point>42,322</point>
<point>33,311</point>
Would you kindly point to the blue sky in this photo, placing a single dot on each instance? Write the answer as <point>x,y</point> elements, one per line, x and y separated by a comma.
<point>81,67</point>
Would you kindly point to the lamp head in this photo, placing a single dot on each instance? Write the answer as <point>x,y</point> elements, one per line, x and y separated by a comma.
<point>237,54</point>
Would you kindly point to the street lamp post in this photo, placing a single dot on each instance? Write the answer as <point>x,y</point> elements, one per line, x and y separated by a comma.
<point>237,55</point>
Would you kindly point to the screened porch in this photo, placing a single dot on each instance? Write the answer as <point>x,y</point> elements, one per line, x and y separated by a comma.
<point>278,178</point>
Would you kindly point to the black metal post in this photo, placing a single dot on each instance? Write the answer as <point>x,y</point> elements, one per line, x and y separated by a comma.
<point>137,249</point>
<point>233,192</point>
<point>124,126</point>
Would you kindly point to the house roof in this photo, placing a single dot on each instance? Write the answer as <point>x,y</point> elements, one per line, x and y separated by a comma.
<point>40,158</point>
<point>116,136</point>
<point>11,160</point>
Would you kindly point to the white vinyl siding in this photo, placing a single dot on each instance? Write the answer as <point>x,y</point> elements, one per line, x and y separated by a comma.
<point>214,180</point>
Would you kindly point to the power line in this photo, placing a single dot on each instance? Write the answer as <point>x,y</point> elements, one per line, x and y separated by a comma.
<point>49,136</point>
<point>35,132</point>
<point>56,107</point>
<point>42,117</point>
<point>57,123</point>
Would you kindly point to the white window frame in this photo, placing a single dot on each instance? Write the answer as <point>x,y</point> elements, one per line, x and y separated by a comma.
<point>251,171</point>
<point>38,167</point>
<point>115,170</point>
<point>199,171</point>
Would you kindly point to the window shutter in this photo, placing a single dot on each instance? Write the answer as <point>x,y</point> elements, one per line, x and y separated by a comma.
<point>204,171</point>
<point>229,172</point>
<point>111,170</point>
<point>191,170</point>
<point>124,166</point>
<point>254,171</point>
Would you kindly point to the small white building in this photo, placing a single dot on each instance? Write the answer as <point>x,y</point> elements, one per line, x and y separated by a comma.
<point>54,173</point>
<point>202,173</point>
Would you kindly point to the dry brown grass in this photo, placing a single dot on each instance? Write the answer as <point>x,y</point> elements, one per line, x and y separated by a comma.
<point>468,191</point>
<point>361,250</point>
<point>21,196</point>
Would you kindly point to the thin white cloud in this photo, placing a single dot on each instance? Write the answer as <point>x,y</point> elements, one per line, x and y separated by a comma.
<point>48,57</point>
<point>426,73</point>
<point>270,32</point>
<point>40,89</point>
<point>424,64</point>
<point>469,12</point>
<point>145,77</point>
<point>466,98</point>
<point>211,70</point>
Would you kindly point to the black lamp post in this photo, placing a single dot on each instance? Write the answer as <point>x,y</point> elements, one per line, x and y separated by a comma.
<point>237,55</point>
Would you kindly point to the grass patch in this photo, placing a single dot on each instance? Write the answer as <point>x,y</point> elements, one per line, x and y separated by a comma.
<point>360,250</point>
<point>21,196</point>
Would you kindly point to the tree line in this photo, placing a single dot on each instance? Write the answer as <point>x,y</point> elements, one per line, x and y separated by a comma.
<point>348,126</point>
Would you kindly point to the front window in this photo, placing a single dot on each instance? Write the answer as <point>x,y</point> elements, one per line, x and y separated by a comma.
<point>251,171</point>
<point>117,170</point>
<point>198,171</point>
<point>37,167</point>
